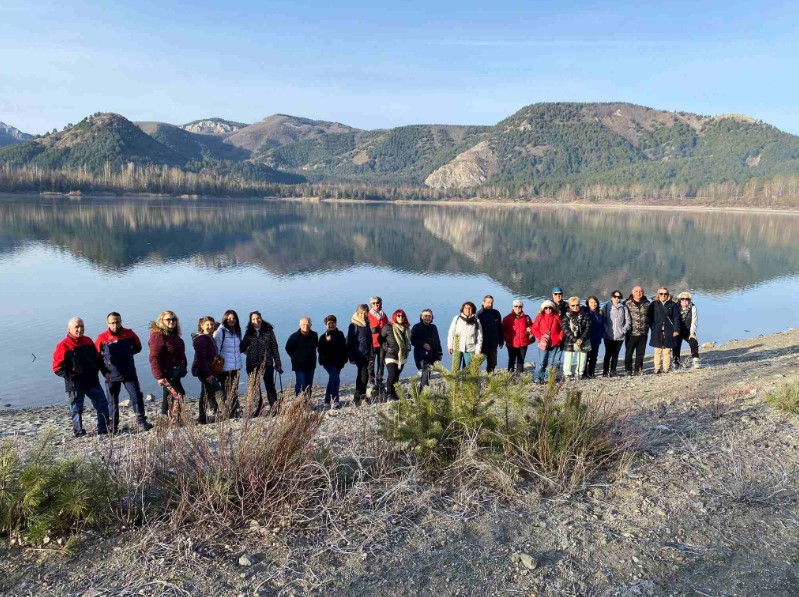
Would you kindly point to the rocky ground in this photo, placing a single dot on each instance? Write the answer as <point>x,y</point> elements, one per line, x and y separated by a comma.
<point>706,505</point>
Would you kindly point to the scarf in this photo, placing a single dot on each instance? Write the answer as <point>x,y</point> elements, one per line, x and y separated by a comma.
<point>401,336</point>
<point>471,320</point>
<point>379,314</point>
<point>685,312</point>
<point>360,322</point>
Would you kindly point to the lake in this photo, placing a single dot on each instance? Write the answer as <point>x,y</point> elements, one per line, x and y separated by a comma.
<point>140,256</point>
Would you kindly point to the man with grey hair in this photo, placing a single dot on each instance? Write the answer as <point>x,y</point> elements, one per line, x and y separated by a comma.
<point>377,363</point>
<point>301,348</point>
<point>76,360</point>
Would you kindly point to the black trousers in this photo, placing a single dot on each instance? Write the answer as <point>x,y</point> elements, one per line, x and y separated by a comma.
<point>271,391</point>
<point>693,343</point>
<point>211,394</point>
<point>635,344</point>
<point>394,370</point>
<point>516,358</point>
<point>612,350</point>
<point>136,400</point>
<point>361,379</point>
<point>590,367</point>
<point>491,358</point>
<point>229,380</point>
<point>377,365</point>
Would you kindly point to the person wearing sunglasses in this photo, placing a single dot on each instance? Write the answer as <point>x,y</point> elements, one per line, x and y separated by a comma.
<point>617,325</point>
<point>167,356</point>
<point>397,342</point>
<point>517,328</point>
<point>635,342</point>
<point>664,317</point>
<point>689,321</point>
<point>548,333</point>
<point>377,364</point>
<point>576,339</point>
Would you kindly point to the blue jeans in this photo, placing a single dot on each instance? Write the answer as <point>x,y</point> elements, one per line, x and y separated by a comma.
<point>136,400</point>
<point>99,402</point>
<point>546,358</point>
<point>466,358</point>
<point>304,380</point>
<point>333,382</point>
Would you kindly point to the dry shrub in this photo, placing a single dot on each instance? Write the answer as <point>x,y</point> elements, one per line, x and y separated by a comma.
<point>228,473</point>
<point>785,398</point>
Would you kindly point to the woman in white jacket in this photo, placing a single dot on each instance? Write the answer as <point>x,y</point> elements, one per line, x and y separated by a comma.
<point>466,327</point>
<point>687,326</point>
<point>228,342</point>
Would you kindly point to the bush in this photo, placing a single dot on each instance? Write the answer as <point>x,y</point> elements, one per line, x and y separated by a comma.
<point>785,398</point>
<point>43,497</point>
<point>491,424</point>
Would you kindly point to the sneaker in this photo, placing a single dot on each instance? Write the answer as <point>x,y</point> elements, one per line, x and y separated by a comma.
<point>145,426</point>
<point>695,363</point>
<point>337,404</point>
<point>80,433</point>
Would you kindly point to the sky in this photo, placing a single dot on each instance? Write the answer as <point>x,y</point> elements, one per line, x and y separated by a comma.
<point>379,65</point>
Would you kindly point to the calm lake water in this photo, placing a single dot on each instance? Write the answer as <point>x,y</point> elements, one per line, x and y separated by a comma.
<point>60,258</point>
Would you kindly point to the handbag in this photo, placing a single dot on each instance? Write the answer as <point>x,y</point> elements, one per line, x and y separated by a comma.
<point>217,365</point>
<point>544,341</point>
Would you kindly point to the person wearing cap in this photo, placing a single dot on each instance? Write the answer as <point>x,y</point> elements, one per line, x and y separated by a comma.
<point>689,321</point>
<point>617,324</point>
<point>517,328</point>
<point>493,339</point>
<point>576,339</point>
<point>561,306</point>
<point>664,319</point>
<point>548,332</point>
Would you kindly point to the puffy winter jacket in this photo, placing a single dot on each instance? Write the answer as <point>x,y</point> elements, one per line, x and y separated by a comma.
<point>597,326</point>
<point>167,353</point>
<point>392,345</point>
<point>514,329</point>
<point>422,334</point>
<point>664,320</point>
<point>205,352</point>
<point>76,360</point>
<point>470,334</point>
<point>260,347</point>
<point>229,346</point>
<point>548,322</point>
<point>576,326</point>
<point>359,343</point>
<point>117,351</point>
<point>617,321</point>
<point>491,322</point>
<point>639,316</point>
<point>333,349</point>
<point>302,350</point>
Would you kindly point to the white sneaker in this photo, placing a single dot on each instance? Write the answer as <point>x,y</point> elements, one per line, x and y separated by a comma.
<point>695,363</point>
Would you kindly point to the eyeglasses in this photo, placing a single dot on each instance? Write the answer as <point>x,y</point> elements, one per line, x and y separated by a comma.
<point>168,319</point>
<point>517,306</point>
<point>115,322</point>
<point>375,303</point>
<point>617,296</point>
<point>400,316</point>
<point>663,294</point>
<point>557,294</point>
<point>685,299</point>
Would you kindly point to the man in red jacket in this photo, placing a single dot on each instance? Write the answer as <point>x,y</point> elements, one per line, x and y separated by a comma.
<point>377,364</point>
<point>116,346</point>
<point>76,360</point>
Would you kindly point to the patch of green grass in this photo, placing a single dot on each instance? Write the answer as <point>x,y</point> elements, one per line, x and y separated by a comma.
<point>785,398</point>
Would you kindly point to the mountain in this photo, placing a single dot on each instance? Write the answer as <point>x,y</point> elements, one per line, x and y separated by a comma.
<point>11,136</point>
<point>213,126</point>
<point>551,145</point>
<point>280,129</point>
<point>196,147</point>
<point>93,142</point>
<point>541,149</point>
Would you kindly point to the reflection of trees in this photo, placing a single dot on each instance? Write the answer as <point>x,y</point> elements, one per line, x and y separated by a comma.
<point>585,250</point>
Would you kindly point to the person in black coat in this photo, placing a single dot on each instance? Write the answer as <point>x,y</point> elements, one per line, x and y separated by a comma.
<point>360,349</point>
<point>333,355</point>
<point>493,338</point>
<point>301,348</point>
<point>426,345</point>
<point>664,321</point>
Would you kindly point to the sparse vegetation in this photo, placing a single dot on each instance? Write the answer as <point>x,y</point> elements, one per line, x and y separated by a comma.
<point>785,398</point>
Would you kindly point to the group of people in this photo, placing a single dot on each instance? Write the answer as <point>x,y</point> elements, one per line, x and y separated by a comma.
<point>567,333</point>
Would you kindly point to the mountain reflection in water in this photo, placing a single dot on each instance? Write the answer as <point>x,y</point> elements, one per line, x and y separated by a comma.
<point>586,250</point>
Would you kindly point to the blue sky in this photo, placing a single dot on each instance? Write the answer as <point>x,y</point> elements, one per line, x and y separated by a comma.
<point>376,65</point>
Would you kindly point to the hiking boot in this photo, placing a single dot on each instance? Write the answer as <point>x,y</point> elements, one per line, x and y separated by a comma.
<point>80,433</point>
<point>144,426</point>
<point>695,363</point>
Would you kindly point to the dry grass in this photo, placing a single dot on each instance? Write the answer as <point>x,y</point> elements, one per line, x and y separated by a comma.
<point>785,398</point>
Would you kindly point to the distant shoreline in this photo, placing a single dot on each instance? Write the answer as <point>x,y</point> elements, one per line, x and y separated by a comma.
<point>482,203</point>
